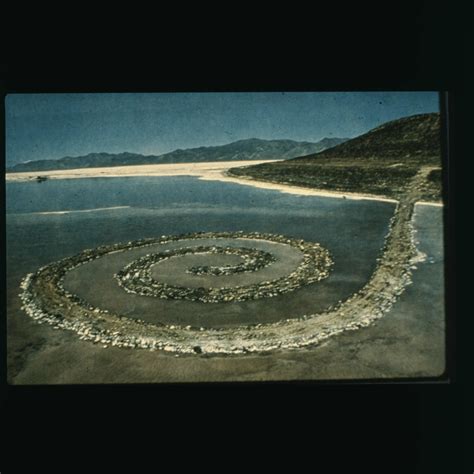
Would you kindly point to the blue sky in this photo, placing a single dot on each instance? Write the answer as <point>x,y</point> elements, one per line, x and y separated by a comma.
<point>50,126</point>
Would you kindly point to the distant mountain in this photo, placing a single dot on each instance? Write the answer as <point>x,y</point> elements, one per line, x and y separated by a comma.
<point>250,149</point>
<point>414,138</point>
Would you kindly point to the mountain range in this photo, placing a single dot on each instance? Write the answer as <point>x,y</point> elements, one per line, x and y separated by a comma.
<point>249,149</point>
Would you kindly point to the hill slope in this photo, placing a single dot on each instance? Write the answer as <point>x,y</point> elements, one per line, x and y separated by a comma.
<point>251,149</point>
<point>416,137</point>
<point>378,162</point>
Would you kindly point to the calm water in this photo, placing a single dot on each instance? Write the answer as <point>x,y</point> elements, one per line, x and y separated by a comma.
<point>108,210</point>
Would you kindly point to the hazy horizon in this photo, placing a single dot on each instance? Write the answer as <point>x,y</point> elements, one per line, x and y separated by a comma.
<point>52,126</point>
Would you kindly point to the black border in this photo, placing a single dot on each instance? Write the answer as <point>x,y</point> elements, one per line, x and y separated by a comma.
<point>420,419</point>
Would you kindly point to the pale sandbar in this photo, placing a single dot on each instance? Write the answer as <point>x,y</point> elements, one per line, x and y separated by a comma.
<point>210,171</point>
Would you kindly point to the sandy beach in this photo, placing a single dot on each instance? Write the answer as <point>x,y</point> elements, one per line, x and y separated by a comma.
<point>212,171</point>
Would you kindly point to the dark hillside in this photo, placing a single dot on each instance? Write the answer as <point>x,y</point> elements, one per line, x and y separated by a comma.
<point>414,138</point>
<point>378,162</point>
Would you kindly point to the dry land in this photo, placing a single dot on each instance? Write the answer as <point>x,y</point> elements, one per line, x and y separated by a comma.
<point>209,170</point>
<point>248,174</point>
<point>385,179</point>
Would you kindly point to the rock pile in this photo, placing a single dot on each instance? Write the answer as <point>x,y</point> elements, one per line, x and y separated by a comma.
<point>136,277</point>
<point>45,300</point>
<point>254,260</point>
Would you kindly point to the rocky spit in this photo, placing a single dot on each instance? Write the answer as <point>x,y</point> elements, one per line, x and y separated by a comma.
<point>46,301</point>
<point>136,277</point>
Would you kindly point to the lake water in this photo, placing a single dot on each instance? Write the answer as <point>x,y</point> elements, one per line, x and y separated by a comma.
<point>58,218</point>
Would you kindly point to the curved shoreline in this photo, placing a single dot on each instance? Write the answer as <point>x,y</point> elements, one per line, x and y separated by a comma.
<point>210,171</point>
<point>316,262</point>
<point>376,297</point>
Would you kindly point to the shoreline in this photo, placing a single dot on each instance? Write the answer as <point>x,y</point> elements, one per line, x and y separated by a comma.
<point>206,171</point>
<point>393,273</point>
<point>299,190</point>
<point>166,169</point>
